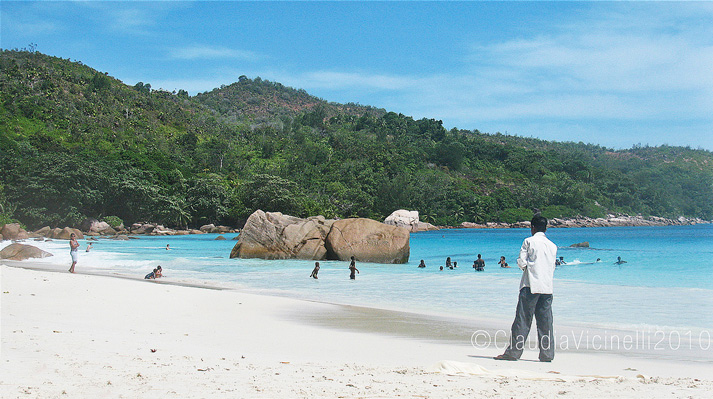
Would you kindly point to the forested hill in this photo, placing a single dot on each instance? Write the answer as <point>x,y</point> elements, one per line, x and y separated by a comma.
<point>76,143</point>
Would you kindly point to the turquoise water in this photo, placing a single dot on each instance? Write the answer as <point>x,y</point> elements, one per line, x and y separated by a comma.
<point>667,281</point>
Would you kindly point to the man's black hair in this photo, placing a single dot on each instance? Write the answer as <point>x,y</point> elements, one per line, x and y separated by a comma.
<point>539,223</point>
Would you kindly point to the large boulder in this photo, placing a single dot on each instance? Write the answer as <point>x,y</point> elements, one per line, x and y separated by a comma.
<point>368,241</point>
<point>43,232</point>
<point>272,235</point>
<point>13,231</point>
<point>408,220</point>
<point>17,251</point>
<point>145,228</point>
<point>208,228</point>
<point>94,227</point>
<point>65,233</point>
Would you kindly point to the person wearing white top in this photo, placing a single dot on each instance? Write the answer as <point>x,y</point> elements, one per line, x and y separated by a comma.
<point>537,261</point>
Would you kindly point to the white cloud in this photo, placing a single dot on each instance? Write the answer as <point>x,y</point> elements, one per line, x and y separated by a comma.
<point>198,52</point>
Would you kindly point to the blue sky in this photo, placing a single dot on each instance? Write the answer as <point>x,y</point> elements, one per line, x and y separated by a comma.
<point>610,73</point>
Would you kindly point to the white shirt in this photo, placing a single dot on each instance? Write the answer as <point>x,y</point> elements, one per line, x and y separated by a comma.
<point>537,261</point>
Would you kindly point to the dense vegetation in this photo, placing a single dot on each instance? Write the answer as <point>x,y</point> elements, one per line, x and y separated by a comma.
<point>76,143</point>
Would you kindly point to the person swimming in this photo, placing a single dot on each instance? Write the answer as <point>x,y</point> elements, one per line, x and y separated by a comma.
<point>422,264</point>
<point>448,263</point>
<point>619,261</point>
<point>502,262</point>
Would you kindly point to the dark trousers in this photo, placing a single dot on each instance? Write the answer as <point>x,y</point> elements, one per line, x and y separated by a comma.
<point>539,305</point>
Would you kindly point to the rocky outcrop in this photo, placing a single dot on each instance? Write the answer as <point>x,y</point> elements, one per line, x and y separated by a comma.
<point>102,228</point>
<point>211,228</point>
<point>17,251</point>
<point>408,220</point>
<point>142,228</point>
<point>368,241</point>
<point>43,232</point>
<point>618,220</point>
<point>584,244</point>
<point>64,234</point>
<point>13,231</point>
<point>272,235</point>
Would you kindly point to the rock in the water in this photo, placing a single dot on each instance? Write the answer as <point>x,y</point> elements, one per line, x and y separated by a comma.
<point>220,238</point>
<point>17,251</point>
<point>408,220</point>
<point>13,231</point>
<point>584,244</point>
<point>368,241</point>
<point>272,235</point>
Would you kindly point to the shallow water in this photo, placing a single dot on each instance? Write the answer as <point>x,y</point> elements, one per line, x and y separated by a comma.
<point>665,284</point>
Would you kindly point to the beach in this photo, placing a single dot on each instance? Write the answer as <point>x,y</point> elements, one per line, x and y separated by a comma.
<point>80,336</point>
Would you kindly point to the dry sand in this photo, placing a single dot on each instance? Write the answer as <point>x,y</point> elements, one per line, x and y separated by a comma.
<point>88,336</point>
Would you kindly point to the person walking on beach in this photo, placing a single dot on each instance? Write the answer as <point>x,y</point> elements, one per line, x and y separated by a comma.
<point>537,261</point>
<point>352,269</point>
<point>315,270</point>
<point>73,250</point>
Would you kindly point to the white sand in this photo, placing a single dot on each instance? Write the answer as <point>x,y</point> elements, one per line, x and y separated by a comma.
<point>82,336</point>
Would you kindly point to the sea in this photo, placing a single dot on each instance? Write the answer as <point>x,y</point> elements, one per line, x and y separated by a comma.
<point>665,287</point>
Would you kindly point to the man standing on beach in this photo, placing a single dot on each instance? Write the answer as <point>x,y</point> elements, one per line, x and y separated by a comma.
<point>537,261</point>
<point>73,250</point>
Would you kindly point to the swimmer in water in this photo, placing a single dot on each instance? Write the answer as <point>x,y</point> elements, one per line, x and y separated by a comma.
<point>315,270</point>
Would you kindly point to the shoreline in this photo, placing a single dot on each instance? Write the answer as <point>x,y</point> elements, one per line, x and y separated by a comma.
<point>485,332</point>
<point>482,332</point>
<point>97,336</point>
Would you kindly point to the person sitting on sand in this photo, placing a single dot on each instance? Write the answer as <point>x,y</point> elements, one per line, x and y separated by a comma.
<point>352,269</point>
<point>151,276</point>
<point>158,272</point>
<point>422,264</point>
<point>619,261</point>
<point>502,262</point>
<point>479,264</point>
<point>315,270</point>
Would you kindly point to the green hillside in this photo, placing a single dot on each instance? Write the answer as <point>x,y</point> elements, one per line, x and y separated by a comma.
<point>76,143</point>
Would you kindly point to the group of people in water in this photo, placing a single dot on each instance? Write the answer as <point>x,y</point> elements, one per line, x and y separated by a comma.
<point>478,264</point>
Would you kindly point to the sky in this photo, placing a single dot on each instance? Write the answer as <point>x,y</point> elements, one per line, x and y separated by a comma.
<point>616,74</point>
